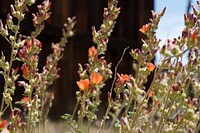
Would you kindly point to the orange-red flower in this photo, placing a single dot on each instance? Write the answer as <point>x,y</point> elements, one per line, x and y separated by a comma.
<point>92,52</point>
<point>83,84</point>
<point>3,124</point>
<point>123,78</point>
<point>25,99</point>
<point>25,70</point>
<point>150,66</point>
<point>194,35</point>
<point>144,28</point>
<point>151,93</point>
<point>96,78</point>
<point>29,44</point>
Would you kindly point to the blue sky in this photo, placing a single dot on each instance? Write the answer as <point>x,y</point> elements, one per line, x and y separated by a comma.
<point>172,23</point>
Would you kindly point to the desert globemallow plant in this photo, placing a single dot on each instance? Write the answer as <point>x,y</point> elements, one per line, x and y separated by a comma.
<point>169,104</point>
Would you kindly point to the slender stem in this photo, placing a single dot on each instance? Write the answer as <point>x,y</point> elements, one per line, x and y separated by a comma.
<point>29,122</point>
<point>128,106</point>
<point>116,116</point>
<point>162,115</point>
<point>168,111</point>
<point>140,105</point>
<point>80,121</point>
<point>5,108</point>
<point>180,122</point>
<point>89,125</point>
<point>197,129</point>
<point>82,113</point>
<point>12,56</point>
<point>101,127</point>
<point>75,109</point>
<point>31,109</point>
<point>115,73</point>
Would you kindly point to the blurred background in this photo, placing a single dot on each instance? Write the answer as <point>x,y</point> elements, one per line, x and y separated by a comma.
<point>134,14</point>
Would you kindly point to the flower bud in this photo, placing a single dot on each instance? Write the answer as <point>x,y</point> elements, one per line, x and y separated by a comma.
<point>12,38</point>
<point>189,114</point>
<point>1,25</point>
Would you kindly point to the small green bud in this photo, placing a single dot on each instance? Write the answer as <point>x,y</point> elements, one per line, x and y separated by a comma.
<point>6,66</point>
<point>7,97</point>
<point>189,114</point>
<point>12,38</point>
<point>145,46</point>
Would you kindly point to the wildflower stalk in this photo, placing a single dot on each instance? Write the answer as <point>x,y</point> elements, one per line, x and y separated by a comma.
<point>12,57</point>
<point>181,121</point>
<point>197,129</point>
<point>163,111</point>
<point>17,11</point>
<point>75,109</point>
<point>98,71</point>
<point>101,127</point>
<point>117,113</point>
<point>139,107</point>
<point>110,105</point>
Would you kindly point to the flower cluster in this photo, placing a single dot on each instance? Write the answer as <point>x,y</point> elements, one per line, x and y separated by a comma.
<point>16,123</point>
<point>97,71</point>
<point>40,17</point>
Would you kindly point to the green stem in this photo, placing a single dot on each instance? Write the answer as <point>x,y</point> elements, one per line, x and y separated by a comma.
<point>12,56</point>
<point>29,121</point>
<point>162,115</point>
<point>140,105</point>
<point>101,127</point>
<point>128,106</point>
<point>82,113</point>
<point>168,111</point>
<point>180,122</point>
<point>80,122</point>
<point>75,109</point>
<point>197,129</point>
<point>116,116</point>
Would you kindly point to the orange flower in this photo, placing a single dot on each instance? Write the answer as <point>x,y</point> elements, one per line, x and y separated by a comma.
<point>92,52</point>
<point>32,57</point>
<point>25,70</point>
<point>29,44</point>
<point>3,124</point>
<point>83,84</point>
<point>25,99</point>
<point>151,93</point>
<point>96,78</point>
<point>150,66</point>
<point>124,77</point>
<point>144,28</point>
